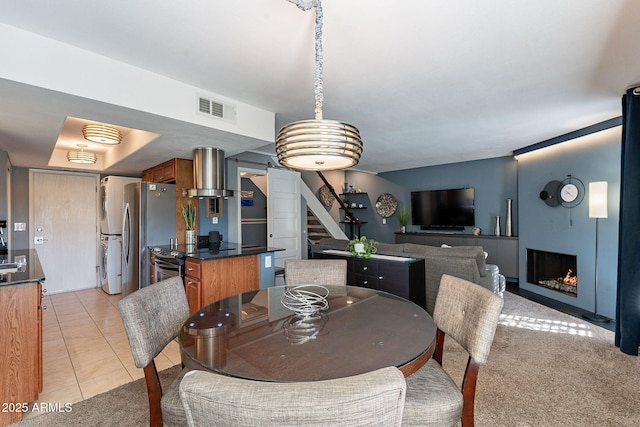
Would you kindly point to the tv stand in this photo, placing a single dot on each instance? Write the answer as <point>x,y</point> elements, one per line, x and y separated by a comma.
<point>442,228</point>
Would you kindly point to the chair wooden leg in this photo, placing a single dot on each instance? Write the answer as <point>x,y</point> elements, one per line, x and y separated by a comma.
<point>469,392</point>
<point>154,392</point>
<point>437,355</point>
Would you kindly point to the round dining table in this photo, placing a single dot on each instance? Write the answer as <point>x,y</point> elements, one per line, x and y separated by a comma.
<point>255,336</point>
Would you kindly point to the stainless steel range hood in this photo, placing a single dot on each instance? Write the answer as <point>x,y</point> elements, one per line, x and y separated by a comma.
<point>208,173</point>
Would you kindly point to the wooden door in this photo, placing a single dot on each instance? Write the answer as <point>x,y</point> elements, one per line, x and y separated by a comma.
<point>63,218</point>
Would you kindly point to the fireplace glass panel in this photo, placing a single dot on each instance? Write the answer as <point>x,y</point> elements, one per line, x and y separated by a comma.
<point>553,270</point>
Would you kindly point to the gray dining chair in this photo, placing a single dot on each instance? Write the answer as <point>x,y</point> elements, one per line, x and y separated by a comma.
<point>469,314</point>
<point>368,400</point>
<point>152,317</point>
<point>331,273</point>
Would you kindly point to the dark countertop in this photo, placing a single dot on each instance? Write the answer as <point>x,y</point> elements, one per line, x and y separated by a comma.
<point>29,273</point>
<point>226,250</point>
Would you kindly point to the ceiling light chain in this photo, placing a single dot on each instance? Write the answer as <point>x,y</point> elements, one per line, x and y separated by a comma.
<point>306,5</point>
<point>318,144</point>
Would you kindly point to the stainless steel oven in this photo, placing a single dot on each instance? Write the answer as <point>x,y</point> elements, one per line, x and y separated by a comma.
<point>164,267</point>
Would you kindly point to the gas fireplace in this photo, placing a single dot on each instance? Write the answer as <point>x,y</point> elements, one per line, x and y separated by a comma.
<point>553,270</point>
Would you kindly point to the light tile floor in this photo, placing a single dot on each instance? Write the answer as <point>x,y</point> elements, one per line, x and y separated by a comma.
<point>85,348</point>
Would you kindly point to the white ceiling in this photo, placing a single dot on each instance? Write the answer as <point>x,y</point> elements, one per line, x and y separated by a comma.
<point>426,82</point>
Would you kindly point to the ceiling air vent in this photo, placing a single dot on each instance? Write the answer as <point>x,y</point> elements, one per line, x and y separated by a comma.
<point>213,108</point>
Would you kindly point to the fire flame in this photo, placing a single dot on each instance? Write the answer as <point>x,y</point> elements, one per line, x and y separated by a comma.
<point>570,278</point>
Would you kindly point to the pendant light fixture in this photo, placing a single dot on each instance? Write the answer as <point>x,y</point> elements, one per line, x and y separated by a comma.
<point>81,156</point>
<point>318,144</point>
<point>102,134</point>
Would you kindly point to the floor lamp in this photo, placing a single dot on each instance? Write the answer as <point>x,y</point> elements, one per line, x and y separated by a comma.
<point>597,210</point>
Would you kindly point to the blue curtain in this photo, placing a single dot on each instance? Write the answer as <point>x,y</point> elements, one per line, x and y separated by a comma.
<point>628,298</point>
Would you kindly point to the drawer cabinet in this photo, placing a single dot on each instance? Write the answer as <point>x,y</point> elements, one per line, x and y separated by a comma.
<point>363,273</point>
<point>207,281</point>
<point>405,279</point>
<point>193,284</point>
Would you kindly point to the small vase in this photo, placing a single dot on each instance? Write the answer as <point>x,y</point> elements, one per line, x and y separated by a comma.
<point>191,237</point>
<point>359,248</point>
<point>497,229</point>
<point>403,229</point>
<point>507,221</point>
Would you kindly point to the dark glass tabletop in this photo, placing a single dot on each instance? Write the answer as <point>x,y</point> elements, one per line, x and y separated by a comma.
<point>254,336</point>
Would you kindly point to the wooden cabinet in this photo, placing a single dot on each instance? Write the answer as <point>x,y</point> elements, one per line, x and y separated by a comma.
<point>502,250</point>
<point>147,175</point>
<point>405,279</point>
<point>166,172</point>
<point>193,284</point>
<point>21,343</point>
<point>207,281</point>
<point>179,172</point>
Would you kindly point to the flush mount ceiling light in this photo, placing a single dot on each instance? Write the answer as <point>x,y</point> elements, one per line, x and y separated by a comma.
<point>102,134</point>
<point>318,144</point>
<point>81,156</point>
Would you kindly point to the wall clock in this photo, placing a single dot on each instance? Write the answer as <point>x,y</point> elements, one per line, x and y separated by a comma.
<point>571,192</point>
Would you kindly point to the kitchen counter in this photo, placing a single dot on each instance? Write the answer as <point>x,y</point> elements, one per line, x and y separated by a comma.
<point>226,250</point>
<point>29,273</point>
<point>211,275</point>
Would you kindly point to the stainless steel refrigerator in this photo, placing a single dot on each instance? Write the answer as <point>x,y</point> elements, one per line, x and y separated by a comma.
<point>149,219</point>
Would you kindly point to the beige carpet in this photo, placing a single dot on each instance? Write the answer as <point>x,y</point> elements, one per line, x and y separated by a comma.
<point>545,369</point>
<point>551,369</point>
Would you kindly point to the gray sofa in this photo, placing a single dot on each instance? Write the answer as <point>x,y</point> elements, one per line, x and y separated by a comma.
<point>466,262</point>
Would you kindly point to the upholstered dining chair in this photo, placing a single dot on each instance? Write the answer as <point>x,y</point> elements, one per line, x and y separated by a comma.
<point>152,317</point>
<point>371,399</point>
<point>331,273</point>
<point>469,314</point>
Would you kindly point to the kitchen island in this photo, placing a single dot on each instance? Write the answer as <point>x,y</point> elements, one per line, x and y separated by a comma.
<point>20,332</point>
<point>213,274</point>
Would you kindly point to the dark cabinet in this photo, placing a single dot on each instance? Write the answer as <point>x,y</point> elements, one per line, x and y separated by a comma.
<point>402,278</point>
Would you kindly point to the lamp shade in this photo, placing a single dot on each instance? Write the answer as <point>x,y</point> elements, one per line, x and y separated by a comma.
<point>598,199</point>
<point>102,134</point>
<point>319,145</point>
<point>81,156</point>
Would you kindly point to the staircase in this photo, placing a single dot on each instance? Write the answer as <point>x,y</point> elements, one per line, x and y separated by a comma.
<point>315,230</point>
<point>322,224</point>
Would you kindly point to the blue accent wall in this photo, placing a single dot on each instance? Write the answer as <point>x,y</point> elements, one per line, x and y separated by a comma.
<point>494,181</point>
<point>594,157</point>
<point>590,158</point>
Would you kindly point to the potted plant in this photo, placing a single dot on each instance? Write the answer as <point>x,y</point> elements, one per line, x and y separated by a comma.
<point>189,214</point>
<point>362,247</point>
<point>403,217</point>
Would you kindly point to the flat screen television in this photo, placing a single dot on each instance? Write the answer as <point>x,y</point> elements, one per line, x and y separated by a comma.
<point>443,209</point>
